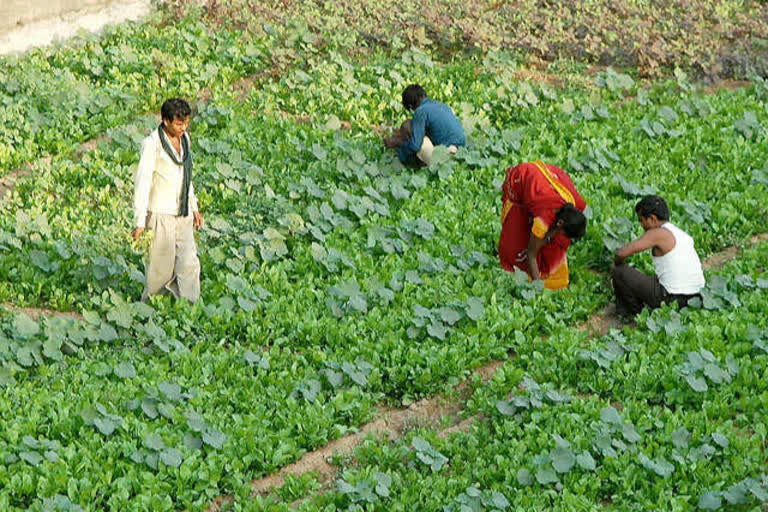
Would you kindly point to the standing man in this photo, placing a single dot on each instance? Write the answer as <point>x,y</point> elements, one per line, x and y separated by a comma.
<point>164,202</point>
<point>433,124</point>
<point>679,276</point>
<point>541,213</point>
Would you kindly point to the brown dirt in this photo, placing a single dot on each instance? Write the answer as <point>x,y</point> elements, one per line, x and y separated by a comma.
<point>600,324</point>
<point>243,86</point>
<point>595,69</point>
<point>90,146</point>
<point>536,76</point>
<point>728,85</point>
<point>719,259</point>
<point>8,182</point>
<point>462,426</point>
<point>35,313</point>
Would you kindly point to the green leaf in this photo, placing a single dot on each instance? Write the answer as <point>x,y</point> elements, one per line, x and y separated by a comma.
<point>167,411</point>
<point>192,442</point>
<point>319,152</point>
<point>506,408</point>
<point>151,460</point>
<point>680,438</point>
<point>214,438</point>
<point>698,384</point>
<point>154,442</point>
<point>475,308</point>
<point>383,482</point>
<point>52,349</point>
<point>710,501</point>
<point>195,421</point>
<point>610,415</point>
<point>24,326</point>
<point>585,461</point>
<point>563,459</point>
<point>33,458</point>
<point>105,425</point>
<point>171,457</point>
<point>107,333</point>
<point>335,378</point>
<point>171,390</point>
<point>6,376</point>
<point>630,433</point>
<point>125,370</point>
<point>720,440</point>
<point>89,415</point>
<point>546,475</point>
<point>437,330</point>
<point>668,114</point>
<point>524,477</point>
<point>149,407</point>
<point>499,500</point>
<point>449,316</point>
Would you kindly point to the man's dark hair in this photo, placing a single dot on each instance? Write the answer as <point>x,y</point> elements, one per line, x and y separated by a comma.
<point>652,205</point>
<point>412,96</point>
<point>573,221</point>
<point>175,108</point>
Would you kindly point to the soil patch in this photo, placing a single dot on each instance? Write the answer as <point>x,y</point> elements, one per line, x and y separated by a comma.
<point>536,76</point>
<point>36,313</point>
<point>728,85</point>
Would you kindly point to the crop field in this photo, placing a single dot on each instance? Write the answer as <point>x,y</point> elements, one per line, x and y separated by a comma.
<point>339,288</point>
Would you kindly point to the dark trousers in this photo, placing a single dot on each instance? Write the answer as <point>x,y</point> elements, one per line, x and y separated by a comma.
<point>636,290</point>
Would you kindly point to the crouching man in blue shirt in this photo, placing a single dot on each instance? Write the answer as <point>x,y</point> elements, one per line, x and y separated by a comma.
<point>433,124</point>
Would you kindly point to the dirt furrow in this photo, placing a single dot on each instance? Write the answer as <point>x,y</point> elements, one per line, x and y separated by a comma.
<point>36,313</point>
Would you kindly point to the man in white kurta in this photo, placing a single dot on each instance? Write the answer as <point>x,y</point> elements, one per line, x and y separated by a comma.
<point>164,202</point>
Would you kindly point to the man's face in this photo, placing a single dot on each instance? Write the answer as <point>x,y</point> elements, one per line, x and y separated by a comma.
<point>647,222</point>
<point>177,127</point>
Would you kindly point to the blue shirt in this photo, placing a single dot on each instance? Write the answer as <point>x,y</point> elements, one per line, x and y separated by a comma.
<point>438,122</point>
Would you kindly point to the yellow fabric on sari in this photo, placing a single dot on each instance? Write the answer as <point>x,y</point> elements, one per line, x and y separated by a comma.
<point>559,278</point>
<point>505,210</point>
<point>559,187</point>
<point>539,228</point>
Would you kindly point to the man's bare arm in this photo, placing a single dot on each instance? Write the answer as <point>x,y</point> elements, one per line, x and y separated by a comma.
<point>649,240</point>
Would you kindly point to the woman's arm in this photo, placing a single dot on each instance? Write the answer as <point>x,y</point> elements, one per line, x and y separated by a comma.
<point>534,246</point>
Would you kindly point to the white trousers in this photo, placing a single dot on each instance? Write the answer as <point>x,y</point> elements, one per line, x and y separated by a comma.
<point>173,265</point>
<point>427,148</point>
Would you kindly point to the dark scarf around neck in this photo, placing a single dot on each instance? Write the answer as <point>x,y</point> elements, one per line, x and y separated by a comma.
<point>186,161</point>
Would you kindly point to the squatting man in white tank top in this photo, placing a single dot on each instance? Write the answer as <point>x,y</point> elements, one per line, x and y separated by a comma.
<point>678,277</point>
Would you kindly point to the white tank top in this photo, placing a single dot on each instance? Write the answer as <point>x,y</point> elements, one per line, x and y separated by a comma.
<point>679,270</point>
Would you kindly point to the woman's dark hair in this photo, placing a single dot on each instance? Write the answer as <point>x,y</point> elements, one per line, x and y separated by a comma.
<point>573,221</point>
<point>652,205</point>
<point>175,108</point>
<point>412,96</point>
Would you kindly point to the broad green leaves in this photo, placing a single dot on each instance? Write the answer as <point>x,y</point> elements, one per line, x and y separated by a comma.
<point>474,499</point>
<point>367,490</point>
<point>702,366</point>
<point>428,455</point>
<point>438,322</point>
<point>98,417</point>
<point>535,398</point>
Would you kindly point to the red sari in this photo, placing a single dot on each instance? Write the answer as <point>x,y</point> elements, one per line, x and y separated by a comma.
<point>531,195</point>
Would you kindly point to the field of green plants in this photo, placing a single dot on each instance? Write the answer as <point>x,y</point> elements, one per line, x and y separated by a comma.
<point>336,283</point>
